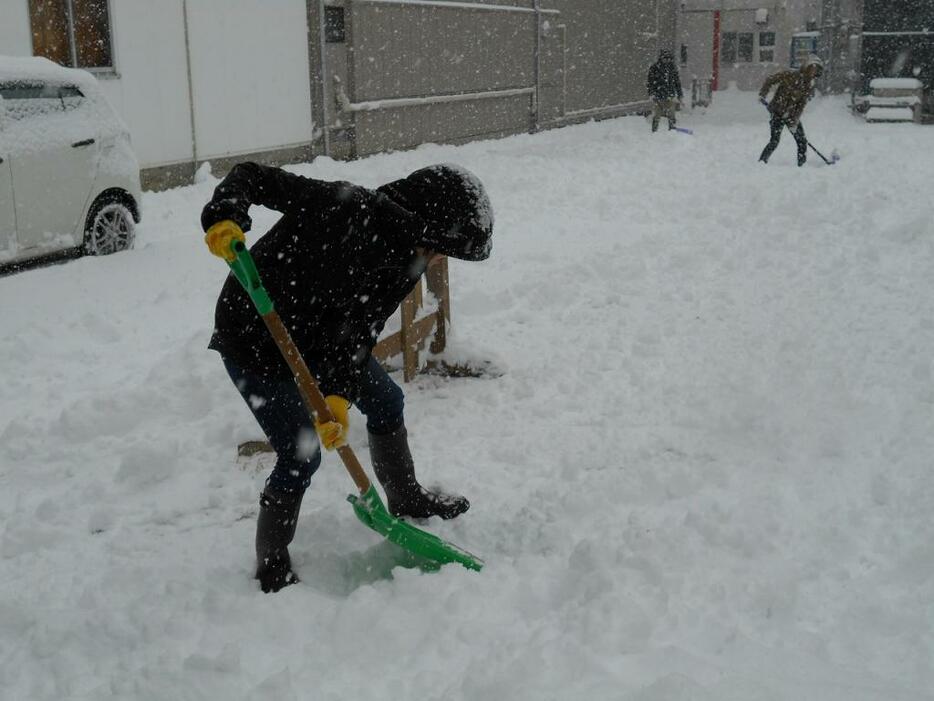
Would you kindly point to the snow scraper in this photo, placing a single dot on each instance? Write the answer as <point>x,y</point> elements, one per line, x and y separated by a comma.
<point>834,156</point>
<point>368,506</point>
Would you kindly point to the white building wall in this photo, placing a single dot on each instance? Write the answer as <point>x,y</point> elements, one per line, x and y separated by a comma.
<point>150,89</point>
<point>249,74</point>
<point>249,63</point>
<point>785,17</point>
<point>750,76</point>
<point>15,35</point>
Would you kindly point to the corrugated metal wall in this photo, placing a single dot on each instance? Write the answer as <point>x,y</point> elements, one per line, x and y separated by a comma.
<point>426,53</point>
<point>610,46</point>
<point>416,71</point>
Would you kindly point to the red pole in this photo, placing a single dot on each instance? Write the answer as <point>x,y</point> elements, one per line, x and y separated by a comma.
<point>715,83</point>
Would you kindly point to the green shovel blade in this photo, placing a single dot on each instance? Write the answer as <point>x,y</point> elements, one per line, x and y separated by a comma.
<point>371,511</point>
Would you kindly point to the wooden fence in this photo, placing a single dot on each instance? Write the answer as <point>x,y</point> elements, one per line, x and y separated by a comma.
<point>409,339</point>
<point>415,330</point>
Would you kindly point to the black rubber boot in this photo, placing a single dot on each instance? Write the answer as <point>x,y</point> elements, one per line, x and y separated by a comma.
<point>275,528</point>
<point>394,468</point>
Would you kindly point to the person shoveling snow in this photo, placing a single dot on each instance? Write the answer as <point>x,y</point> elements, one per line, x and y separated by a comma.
<point>793,89</point>
<point>337,263</point>
<point>664,87</point>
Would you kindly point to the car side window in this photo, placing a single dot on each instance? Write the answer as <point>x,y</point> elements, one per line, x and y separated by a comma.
<point>24,100</point>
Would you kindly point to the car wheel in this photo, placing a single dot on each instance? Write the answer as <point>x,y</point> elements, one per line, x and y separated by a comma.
<point>110,228</point>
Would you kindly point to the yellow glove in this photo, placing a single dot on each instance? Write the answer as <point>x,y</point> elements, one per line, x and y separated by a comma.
<point>221,235</point>
<point>333,434</point>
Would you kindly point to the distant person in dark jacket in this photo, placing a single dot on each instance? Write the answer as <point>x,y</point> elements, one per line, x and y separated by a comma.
<point>664,86</point>
<point>793,89</point>
<point>337,264</point>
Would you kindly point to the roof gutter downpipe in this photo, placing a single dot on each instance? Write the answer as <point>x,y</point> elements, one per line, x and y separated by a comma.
<point>325,128</point>
<point>536,108</point>
<point>191,91</point>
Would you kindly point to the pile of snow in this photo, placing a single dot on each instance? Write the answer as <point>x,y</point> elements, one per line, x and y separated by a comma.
<point>704,472</point>
<point>895,84</point>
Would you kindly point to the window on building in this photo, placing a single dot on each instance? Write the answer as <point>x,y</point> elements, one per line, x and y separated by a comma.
<point>72,32</point>
<point>766,47</point>
<point>684,54</point>
<point>334,31</point>
<point>802,46</point>
<point>728,47</point>
<point>744,47</point>
<point>736,47</point>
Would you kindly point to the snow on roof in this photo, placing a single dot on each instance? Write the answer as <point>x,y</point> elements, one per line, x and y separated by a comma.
<point>895,83</point>
<point>19,68</point>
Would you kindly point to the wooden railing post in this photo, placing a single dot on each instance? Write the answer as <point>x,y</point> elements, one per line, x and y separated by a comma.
<point>437,279</point>
<point>409,308</point>
<point>414,332</point>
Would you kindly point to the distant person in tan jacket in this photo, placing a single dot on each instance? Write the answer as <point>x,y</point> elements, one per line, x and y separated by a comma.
<point>793,89</point>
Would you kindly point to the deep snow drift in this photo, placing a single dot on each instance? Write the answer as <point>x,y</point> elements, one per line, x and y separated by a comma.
<point>704,473</point>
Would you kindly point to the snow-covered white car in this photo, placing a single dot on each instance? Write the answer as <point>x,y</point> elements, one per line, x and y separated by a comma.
<point>69,180</point>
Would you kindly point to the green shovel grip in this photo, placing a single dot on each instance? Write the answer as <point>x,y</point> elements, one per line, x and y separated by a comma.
<point>245,270</point>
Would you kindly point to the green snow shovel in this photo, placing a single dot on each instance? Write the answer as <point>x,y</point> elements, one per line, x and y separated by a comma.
<point>367,505</point>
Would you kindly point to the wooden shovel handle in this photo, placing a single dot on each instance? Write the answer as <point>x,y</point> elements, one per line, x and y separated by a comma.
<point>311,394</point>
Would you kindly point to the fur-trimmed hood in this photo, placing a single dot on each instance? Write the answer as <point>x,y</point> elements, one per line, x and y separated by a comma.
<point>454,205</point>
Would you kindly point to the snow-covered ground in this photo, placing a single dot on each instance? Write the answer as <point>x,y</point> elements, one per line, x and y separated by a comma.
<point>704,473</point>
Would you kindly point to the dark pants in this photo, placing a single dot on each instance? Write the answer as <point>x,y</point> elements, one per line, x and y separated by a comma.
<point>281,413</point>
<point>776,124</point>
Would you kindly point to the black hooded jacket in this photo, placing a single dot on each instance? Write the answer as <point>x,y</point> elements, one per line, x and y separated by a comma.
<point>336,265</point>
<point>663,81</point>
